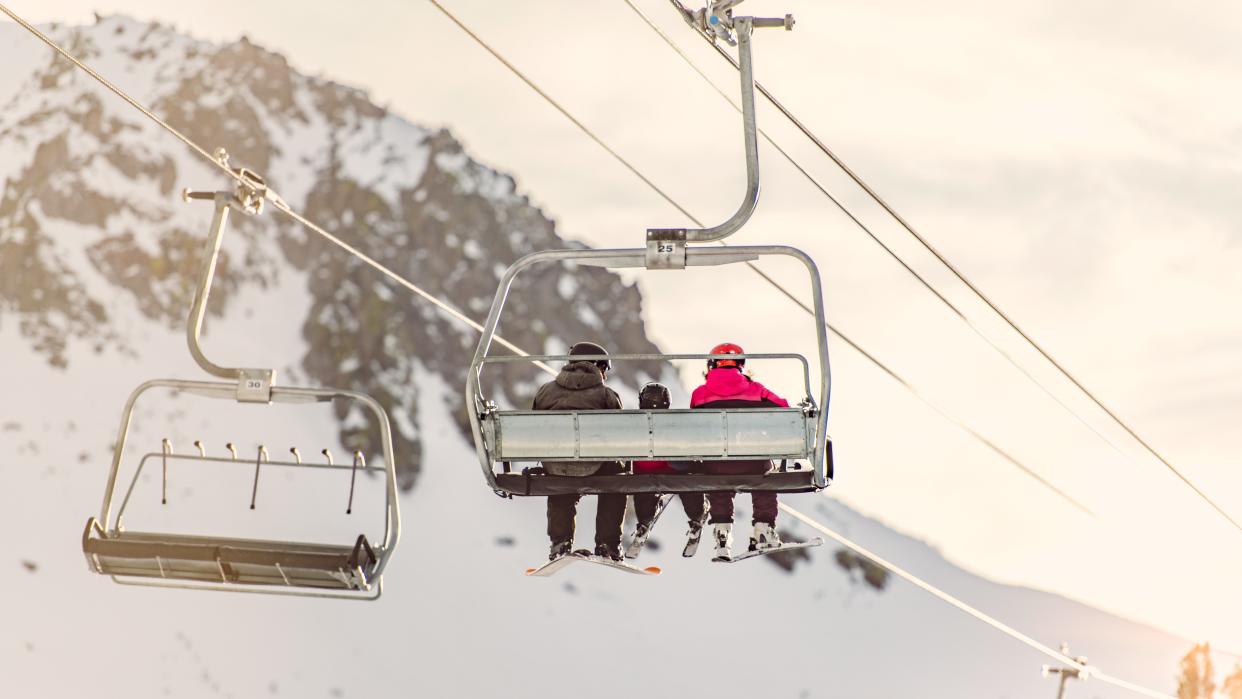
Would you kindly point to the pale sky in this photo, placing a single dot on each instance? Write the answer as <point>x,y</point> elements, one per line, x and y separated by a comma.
<point>1080,161</point>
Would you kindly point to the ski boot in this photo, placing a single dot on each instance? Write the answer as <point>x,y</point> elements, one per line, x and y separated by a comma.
<point>612,551</point>
<point>641,532</point>
<point>764,537</point>
<point>693,535</point>
<point>560,548</point>
<point>723,534</point>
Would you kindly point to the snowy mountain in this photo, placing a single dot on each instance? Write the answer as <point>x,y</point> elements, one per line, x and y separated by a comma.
<point>97,255</point>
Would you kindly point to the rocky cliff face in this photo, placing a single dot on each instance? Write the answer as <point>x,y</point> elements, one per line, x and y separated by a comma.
<point>90,208</point>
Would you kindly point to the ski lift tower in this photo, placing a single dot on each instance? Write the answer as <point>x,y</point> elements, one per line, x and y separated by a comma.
<point>1066,672</point>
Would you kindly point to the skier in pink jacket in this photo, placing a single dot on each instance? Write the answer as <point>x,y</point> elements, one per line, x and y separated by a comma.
<point>727,387</point>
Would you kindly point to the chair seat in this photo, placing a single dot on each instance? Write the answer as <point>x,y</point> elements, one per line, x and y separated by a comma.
<point>538,484</point>
<point>231,561</point>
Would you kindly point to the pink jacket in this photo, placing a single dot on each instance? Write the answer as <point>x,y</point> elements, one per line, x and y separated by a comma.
<point>653,467</point>
<point>729,384</point>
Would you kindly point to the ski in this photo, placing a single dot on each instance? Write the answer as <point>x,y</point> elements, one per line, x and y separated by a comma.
<point>693,537</point>
<point>638,542</point>
<point>552,567</point>
<point>763,552</point>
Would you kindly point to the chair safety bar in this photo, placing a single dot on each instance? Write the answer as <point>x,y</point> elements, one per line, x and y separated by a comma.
<point>169,458</point>
<point>497,431</point>
<point>546,358</point>
<point>113,551</point>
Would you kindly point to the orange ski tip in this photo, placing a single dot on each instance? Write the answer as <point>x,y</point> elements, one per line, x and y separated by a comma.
<point>531,570</point>
<point>654,570</point>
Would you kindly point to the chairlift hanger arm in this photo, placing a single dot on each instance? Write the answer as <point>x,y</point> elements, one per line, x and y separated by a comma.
<point>717,21</point>
<point>253,385</point>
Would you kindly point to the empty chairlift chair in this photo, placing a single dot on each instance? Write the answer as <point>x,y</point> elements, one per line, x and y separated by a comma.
<point>349,568</point>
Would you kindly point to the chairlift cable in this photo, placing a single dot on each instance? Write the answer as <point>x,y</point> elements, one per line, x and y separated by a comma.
<point>872,235</point>
<point>909,577</point>
<point>928,402</point>
<point>271,196</point>
<point>288,211</point>
<point>118,91</point>
<point>676,205</point>
<point>962,277</point>
<point>564,112</point>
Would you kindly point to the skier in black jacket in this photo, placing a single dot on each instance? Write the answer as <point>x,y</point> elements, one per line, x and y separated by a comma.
<point>580,386</point>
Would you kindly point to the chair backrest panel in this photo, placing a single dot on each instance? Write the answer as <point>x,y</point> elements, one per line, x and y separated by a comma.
<point>524,435</point>
<point>688,433</point>
<point>763,433</point>
<point>535,436</point>
<point>605,435</point>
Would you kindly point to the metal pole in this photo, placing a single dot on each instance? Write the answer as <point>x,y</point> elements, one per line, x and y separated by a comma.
<point>253,385</point>
<point>211,253</point>
<point>726,26</point>
<point>751,143</point>
<point>1066,673</point>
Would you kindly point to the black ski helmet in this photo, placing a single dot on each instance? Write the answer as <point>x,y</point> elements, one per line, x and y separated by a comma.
<point>654,396</point>
<point>590,348</point>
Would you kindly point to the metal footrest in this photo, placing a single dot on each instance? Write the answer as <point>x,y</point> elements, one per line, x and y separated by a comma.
<point>176,557</point>
<point>534,484</point>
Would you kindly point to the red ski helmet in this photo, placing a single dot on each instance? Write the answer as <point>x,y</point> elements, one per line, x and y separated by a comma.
<point>726,348</point>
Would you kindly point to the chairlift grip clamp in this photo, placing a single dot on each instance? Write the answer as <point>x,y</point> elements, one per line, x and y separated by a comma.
<point>249,194</point>
<point>251,187</point>
<point>716,21</point>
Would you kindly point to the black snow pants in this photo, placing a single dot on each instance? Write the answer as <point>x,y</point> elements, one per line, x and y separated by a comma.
<point>693,503</point>
<point>609,516</point>
<point>763,504</point>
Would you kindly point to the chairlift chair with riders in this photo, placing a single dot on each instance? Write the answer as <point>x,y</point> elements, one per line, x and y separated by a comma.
<point>341,569</point>
<point>505,438</point>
